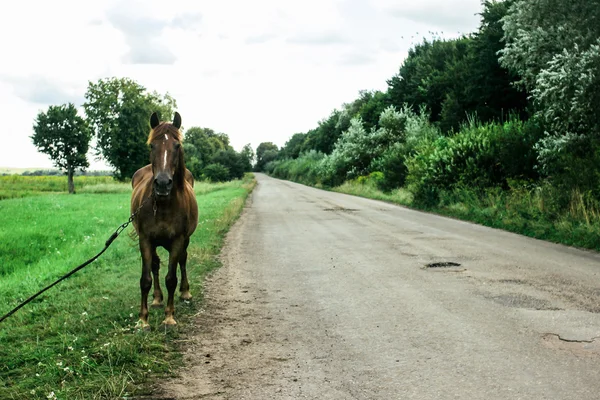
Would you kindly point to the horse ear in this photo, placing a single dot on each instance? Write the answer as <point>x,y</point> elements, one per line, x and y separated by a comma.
<point>177,120</point>
<point>154,122</point>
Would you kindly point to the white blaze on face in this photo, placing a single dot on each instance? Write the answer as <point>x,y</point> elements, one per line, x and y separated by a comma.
<point>165,154</point>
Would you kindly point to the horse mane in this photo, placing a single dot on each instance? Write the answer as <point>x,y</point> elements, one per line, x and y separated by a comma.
<point>165,128</point>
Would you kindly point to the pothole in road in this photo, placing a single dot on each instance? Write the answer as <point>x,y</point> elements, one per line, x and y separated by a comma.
<point>342,209</point>
<point>445,264</point>
<point>521,300</point>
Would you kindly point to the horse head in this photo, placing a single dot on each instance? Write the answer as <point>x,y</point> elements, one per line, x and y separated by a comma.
<point>166,154</point>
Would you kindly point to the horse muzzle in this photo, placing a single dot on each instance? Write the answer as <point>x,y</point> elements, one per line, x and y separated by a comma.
<point>163,185</point>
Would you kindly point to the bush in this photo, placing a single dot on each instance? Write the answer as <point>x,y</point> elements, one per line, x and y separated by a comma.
<point>478,156</point>
<point>304,169</point>
<point>231,160</point>
<point>215,173</point>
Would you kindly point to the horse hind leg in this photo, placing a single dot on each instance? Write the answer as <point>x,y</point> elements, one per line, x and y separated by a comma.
<point>175,253</point>
<point>184,288</point>
<point>158,295</point>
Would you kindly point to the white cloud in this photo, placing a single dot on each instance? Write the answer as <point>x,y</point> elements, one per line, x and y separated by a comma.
<point>456,16</point>
<point>258,71</point>
<point>42,90</point>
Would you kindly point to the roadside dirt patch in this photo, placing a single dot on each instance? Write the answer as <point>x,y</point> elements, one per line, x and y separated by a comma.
<point>231,351</point>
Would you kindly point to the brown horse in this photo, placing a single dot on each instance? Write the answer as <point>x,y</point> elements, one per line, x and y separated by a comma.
<point>168,218</point>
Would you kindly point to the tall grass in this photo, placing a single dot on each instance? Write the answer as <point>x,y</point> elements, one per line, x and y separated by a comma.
<point>533,211</point>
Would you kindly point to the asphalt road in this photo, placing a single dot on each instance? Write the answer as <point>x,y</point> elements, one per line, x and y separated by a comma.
<point>327,296</point>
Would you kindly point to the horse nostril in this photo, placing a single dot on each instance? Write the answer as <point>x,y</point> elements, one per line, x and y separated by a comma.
<point>170,181</point>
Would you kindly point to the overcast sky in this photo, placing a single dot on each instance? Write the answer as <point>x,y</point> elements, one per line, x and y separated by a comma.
<point>257,70</point>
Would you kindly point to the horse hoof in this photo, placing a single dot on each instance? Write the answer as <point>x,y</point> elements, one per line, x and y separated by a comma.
<point>157,305</point>
<point>186,295</point>
<point>169,322</point>
<point>142,326</point>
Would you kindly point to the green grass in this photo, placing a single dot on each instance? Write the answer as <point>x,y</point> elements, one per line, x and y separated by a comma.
<point>397,196</point>
<point>529,212</point>
<point>78,340</point>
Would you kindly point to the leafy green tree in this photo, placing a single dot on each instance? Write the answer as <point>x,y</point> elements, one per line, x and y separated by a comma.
<point>294,146</point>
<point>119,111</point>
<point>231,160</point>
<point>490,90</point>
<point>247,155</point>
<point>200,146</point>
<point>370,106</point>
<point>554,46</point>
<point>65,137</point>
<point>265,152</point>
<point>325,135</point>
<point>425,77</point>
<point>536,31</point>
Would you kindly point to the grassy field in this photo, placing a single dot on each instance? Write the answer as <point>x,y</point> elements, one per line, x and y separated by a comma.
<point>78,341</point>
<point>17,186</point>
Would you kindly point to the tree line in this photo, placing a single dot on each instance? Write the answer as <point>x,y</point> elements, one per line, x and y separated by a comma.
<point>117,114</point>
<point>514,104</point>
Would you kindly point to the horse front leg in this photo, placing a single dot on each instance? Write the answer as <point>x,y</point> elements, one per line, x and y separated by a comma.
<point>145,281</point>
<point>184,288</point>
<point>171,279</point>
<point>158,295</point>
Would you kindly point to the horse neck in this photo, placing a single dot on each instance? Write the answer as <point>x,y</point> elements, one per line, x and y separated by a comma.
<point>179,175</point>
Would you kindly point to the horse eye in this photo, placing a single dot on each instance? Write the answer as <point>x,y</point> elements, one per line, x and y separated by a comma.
<point>177,145</point>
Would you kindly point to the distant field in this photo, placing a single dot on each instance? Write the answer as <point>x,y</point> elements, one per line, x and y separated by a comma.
<point>17,186</point>
<point>6,170</point>
<point>79,340</point>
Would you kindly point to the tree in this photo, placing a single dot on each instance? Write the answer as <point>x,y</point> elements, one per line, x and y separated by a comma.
<point>294,146</point>
<point>372,104</point>
<point>65,137</point>
<point>554,47</point>
<point>231,160</point>
<point>491,91</point>
<point>118,110</point>
<point>265,152</point>
<point>247,155</point>
<point>200,145</point>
